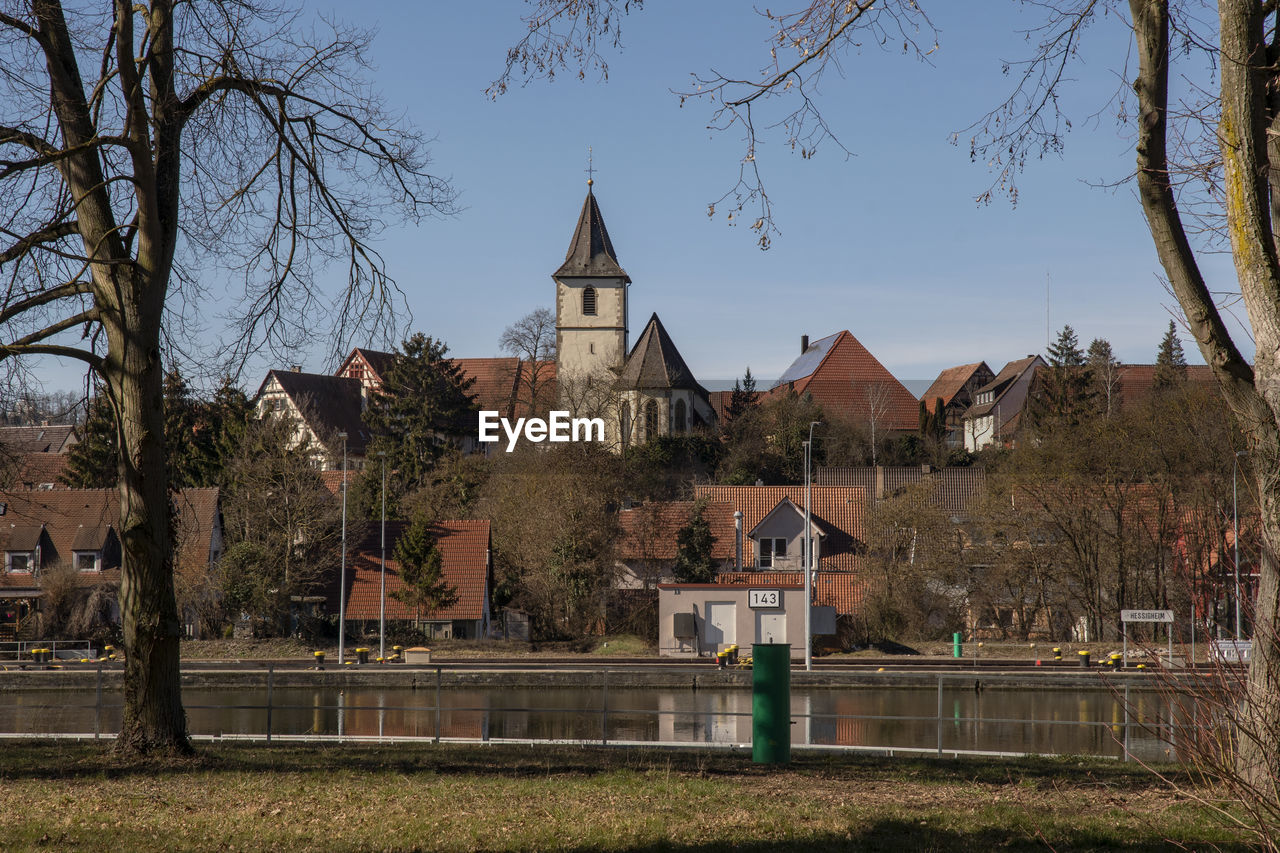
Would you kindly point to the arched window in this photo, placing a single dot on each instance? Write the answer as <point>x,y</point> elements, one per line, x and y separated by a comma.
<point>650,419</point>
<point>679,425</point>
<point>589,301</point>
<point>625,417</point>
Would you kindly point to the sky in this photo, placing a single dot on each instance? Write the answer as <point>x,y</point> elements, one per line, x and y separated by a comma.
<point>888,243</point>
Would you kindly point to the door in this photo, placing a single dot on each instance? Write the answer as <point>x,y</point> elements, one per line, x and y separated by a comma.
<point>771,626</point>
<point>721,623</point>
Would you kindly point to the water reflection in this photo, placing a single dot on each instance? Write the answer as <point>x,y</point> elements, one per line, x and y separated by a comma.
<point>994,719</point>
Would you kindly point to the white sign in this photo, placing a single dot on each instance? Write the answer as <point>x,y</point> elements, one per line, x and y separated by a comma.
<point>1146,616</point>
<point>757,598</point>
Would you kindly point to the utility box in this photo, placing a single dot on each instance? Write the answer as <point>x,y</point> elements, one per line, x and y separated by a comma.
<point>822,620</point>
<point>685,625</point>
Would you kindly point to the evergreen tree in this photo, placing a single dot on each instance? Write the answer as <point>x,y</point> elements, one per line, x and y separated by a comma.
<point>1065,394</point>
<point>92,463</point>
<point>422,570</point>
<point>1105,368</point>
<point>422,409</point>
<point>1171,362</point>
<point>693,549</point>
<point>743,399</point>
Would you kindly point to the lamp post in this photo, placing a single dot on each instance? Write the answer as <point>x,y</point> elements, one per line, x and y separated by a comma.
<point>1235,532</point>
<point>808,551</point>
<point>342,576</point>
<point>382,596</point>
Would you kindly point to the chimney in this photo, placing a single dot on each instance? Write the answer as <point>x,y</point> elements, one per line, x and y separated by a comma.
<point>297,368</point>
<point>804,344</point>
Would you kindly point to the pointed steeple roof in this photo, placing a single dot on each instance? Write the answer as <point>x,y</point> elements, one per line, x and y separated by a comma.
<point>591,251</point>
<point>655,362</point>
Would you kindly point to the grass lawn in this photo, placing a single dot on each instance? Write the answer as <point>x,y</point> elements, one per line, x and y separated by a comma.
<point>76,796</point>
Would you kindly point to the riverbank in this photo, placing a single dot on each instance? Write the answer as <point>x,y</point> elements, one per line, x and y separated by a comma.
<point>503,798</point>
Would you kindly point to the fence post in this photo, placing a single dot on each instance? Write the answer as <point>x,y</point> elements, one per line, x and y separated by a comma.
<point>271,672</point>
<point>437,704</point>
<point>1126,723</point>
<point>97,707</point>
<point>604,712</point>
<point>939,716</point>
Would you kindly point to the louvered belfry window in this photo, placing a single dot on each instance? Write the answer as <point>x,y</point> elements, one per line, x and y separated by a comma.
<point>589,302</point>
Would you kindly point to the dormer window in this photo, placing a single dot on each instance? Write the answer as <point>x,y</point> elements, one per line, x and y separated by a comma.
<point>589,302</point>
<point>87,561</point>
<point>19,562</point>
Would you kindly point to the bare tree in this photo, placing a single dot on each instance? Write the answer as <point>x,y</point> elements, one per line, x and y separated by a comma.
<point>146,151</point>
<point>532,340</point>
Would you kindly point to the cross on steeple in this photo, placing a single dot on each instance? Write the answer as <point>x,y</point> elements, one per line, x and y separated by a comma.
<point>590,170</point>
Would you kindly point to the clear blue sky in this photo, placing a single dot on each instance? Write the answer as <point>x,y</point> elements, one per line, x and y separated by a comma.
<point>888,244</point>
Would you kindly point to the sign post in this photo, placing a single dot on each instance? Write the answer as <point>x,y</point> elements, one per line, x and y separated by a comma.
<point>1127,616</point>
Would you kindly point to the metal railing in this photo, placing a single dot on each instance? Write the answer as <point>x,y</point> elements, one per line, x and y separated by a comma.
<point>21,650</point>
<point>344,721</point>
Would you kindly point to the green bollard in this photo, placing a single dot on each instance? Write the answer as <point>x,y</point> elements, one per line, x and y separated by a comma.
<point>955,645</point>
<point>771,703</point>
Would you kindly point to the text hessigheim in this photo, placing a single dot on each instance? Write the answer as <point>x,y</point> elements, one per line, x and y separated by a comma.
<point>559,426</point>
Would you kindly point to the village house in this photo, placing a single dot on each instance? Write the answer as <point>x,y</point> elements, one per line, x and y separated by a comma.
<point>996,414</point>
<point>957,388</point>
<point>69,537</point>
<point>466,569</point>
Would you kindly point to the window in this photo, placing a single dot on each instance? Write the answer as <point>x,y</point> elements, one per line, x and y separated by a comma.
<point>625,417</point>
<point>679,425</point>
<point>18,561</point>
<point>770,551</point>
<point>650,419</point>
<point>86,561</point>
<point>589,301</point>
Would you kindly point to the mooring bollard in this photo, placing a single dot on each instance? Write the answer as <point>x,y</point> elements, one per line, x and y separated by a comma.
<point>1084,658</point>
<point>771,703</point>
<point>1057,653</point>
<point>319,659</point>
<point>956,645</point>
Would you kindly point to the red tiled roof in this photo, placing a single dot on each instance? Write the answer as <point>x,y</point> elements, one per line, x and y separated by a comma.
<point>848,382</point>
<point>649,532</point>
<point>837,509</point>
<point>957,487</point>
<point>38,439</point>
<point>951,382</point>
<point>719,401</point>
<point>1136,380</point>
<point>88,514</point>
<point>32,470</point>
<point>464,552</point>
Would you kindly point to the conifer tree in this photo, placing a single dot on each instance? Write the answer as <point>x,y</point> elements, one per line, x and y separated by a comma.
<point>422,570</point>
<point>1171,362</point>
<point>743,399</point>
<point>693,549</point>
<point>1065,393</point>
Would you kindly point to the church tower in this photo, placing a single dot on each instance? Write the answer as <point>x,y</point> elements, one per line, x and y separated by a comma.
<point>591,301</point>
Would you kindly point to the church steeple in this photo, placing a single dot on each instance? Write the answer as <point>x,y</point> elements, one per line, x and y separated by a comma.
<point>591,252</point>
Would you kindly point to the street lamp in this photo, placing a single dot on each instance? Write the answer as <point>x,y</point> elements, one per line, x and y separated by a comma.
<point>382,598</point>
<point>1235,532</point>
<point>808,552</point>
<point>342,577</point>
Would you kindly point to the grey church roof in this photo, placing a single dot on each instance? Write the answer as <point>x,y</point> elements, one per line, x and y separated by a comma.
<point>591,251</point>
<point>655,362</point>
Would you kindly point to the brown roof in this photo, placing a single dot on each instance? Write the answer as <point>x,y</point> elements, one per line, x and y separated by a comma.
<point>951,382</point>
<point>1009,390</point>
<point>38,439</point>
<point>720,401</point>
<point>1137,380</point>
<point>591,252</point>
<point>848,382</point>
<point>649,532</point>
<point>370,365</point>
<point>464,553</point>
<point>957,487</point>
<point>654,362</point>
<point>85,520</point>
<point>33,470</point>
<point>837,509</point>
<point>329,404</point>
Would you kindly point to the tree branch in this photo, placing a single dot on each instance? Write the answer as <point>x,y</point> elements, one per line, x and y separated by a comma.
<point>47,234</point>
<point>62,291</point>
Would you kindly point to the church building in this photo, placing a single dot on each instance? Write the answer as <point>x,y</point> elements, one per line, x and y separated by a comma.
<point>641,392</point>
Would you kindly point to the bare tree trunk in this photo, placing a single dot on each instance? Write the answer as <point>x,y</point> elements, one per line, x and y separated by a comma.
<point>153,716</point>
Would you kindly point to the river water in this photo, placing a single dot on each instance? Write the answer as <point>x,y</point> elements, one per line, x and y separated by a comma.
<point>1009,720</point>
